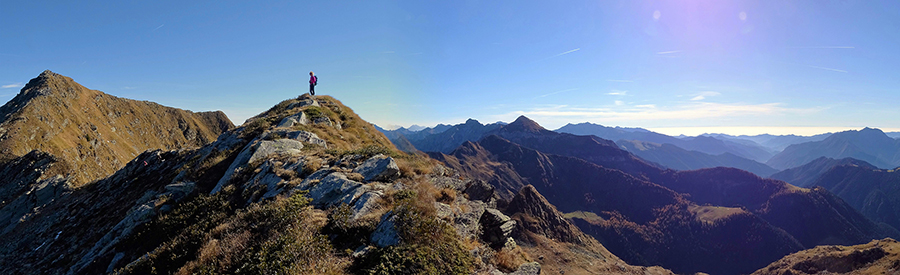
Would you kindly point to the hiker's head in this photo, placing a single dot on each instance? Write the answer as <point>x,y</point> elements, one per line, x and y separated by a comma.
<point>310,73</point>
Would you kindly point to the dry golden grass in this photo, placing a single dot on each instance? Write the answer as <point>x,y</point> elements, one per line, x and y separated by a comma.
<point>97,133</point>
<point>508,260</point>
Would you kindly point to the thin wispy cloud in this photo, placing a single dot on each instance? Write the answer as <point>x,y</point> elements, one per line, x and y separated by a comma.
<point>667,52</point>
<point>619,102</point>
<point>704,95</point>
<point>617,92</point>
<point>567,52</point>
<point>14,85</point>
<point>823,47</point>
<point>160,26</point>
<point>827,69</point>
<point>620,80</point>
<point>553,93</point>
<point>650,112</point>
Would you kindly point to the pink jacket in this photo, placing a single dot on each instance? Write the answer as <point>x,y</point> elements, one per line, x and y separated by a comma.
<point>313,80</point>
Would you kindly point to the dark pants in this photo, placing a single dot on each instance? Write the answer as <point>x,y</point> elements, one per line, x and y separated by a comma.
<point>312,89</point>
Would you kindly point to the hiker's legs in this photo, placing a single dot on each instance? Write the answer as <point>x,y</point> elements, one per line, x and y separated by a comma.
<point>312,89</point>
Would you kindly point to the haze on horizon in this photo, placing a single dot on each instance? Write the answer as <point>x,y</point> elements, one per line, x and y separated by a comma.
<point>677,67</point>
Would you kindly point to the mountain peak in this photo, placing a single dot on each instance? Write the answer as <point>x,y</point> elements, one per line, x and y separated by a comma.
<point>472,122</point>
<point>526,124</point>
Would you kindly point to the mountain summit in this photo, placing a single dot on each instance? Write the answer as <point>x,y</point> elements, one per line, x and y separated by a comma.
<point>96,133</point>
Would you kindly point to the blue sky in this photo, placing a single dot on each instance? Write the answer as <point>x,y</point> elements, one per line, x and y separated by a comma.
<point>674,66</point>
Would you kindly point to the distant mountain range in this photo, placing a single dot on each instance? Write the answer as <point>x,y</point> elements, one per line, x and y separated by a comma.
<point>807,174</point>
<point>870,145</point>
<point>775,143</point>
<point>612,194</point>
<point>680,159</point>
<point>705,144</point>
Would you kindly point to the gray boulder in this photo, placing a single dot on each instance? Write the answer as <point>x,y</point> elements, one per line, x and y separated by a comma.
<point>496,227</point>
<point>379,168</point>
<point>480,190</point>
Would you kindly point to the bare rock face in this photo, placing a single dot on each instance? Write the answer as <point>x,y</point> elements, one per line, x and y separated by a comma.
<point>386,234</point>
<point>535,214</point>
<point>379,168</point>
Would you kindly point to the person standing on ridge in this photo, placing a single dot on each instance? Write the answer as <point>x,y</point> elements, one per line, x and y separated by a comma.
<point>313,80</point>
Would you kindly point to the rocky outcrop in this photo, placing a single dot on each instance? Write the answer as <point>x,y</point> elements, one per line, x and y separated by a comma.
<point>379,168</point>
<point>496,227</point>
<point>533,213</point>
<point>386,233</point>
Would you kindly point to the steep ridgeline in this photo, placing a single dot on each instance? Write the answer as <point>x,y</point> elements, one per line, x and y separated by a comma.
<point>875,257</point>
<point>706,144</point>
<point>676,158</point>
<point>641,222</point>
<point>305,187</point>
<point>629,205</point>
<point>869,145</point>
<point>93,132</point>
<point>874,192</point>
<point>805,175</point>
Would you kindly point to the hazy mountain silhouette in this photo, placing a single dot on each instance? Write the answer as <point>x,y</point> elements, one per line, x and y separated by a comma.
<point>870,145</point>
<point>442,138</point>
<point>774,143</point>
<point>805,175</point>
<point>705,144</point>
<point>676,158</point>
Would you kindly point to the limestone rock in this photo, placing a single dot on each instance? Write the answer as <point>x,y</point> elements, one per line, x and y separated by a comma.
<point>280,146</point>
<point>386,234</point>
<point>301,136</point>
<point>303,101</point>
<point>296,119</point>
<point>379,168</point>
<point>332,189</point>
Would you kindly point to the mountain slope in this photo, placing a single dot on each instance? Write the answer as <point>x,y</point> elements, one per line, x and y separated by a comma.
<point>874,192</point>
<point>628,204</point>
<point>305,187</point>
<point>870,145</point>
<point>875,257</point>
<point>639,221</point>
<point>96,133</point>
<point>676,158</point>
<point>805,175</point>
